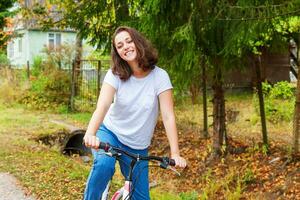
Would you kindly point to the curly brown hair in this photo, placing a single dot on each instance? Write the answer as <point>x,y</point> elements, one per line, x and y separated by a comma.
<point>147,55</point>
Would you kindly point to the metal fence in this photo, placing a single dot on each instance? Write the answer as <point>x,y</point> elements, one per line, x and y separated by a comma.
<point>85,84</point>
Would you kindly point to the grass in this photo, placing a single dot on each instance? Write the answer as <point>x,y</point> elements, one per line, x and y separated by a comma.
<point>43,171</point>
<point>81,119</point>
<point>47,174</point>
<point>247,121</point>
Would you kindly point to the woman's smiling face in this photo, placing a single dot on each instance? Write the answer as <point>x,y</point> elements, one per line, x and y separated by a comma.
<point>125,46</point>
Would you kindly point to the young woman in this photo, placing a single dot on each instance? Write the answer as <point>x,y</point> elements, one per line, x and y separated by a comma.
<point>137,89</point>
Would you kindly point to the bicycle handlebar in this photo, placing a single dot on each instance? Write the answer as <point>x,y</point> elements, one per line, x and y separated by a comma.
<point>165,161</point>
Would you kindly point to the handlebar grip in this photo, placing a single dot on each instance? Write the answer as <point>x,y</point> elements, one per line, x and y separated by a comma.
<point>172,162</point>
<point>104,146</point>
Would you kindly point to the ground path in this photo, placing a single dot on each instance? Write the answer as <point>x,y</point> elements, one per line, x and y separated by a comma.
<point>10,190</point>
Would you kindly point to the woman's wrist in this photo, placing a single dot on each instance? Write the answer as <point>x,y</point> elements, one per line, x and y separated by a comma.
<point>89,134</point>
<point>175,153</point>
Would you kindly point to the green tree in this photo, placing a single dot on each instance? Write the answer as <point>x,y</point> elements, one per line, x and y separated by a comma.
<point>4,13</point>
<point>222,31</point>
<point>96,20</point>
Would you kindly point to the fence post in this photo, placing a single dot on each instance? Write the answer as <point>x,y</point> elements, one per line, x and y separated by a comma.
<point>261,101</point>
<point>98,78</point>
<point>72,87</point>
<point>28,69</point>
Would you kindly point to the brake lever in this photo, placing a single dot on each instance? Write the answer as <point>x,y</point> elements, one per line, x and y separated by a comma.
<point>111,153</point>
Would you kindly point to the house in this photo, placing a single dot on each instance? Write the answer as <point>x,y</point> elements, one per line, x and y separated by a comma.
<point>31,39</point>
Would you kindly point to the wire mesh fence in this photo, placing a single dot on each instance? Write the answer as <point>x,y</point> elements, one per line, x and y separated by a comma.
<point>86,83</point>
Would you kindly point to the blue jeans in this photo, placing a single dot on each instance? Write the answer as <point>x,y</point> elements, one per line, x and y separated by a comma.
<point>104,167</point>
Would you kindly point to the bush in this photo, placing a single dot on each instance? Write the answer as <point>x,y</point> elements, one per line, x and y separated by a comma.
<point>279,101</point>
<point>49,90</point>
<point>3,59</point>
<point>282,90</point>
<point>12,85</point>
<point>50,84</point>
<point>37,66</point>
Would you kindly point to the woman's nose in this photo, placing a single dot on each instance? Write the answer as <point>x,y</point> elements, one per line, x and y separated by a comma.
<point>126,46</point>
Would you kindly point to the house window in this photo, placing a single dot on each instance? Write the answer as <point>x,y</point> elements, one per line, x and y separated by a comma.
<point>58,40</point>
<point>54,40</point>
<point>20,45</point>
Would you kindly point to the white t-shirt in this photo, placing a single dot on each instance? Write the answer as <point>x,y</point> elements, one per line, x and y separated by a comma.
<point>133,114</point>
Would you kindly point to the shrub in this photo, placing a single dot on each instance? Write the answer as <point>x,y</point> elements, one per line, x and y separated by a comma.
<point>3,59</point>
<point>37,66</point>
<point>50,83</point>
<point>49,90</point>
<point>279,101</point>
<point>12,85</point>
<point>282,90</point>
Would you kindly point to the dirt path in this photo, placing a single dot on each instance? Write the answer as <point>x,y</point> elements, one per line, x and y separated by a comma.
<point>10,190</point>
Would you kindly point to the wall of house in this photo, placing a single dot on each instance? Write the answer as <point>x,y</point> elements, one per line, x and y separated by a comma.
<point>37,41</point>
<point>16,49</point>
<point>31,44</point>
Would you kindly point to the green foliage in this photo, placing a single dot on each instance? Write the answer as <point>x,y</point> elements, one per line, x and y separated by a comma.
<point>265,149</point>
<point>281,90</point>
<point>37,66</point>
<point>278,100</point>
<point>4,13</point>
<point>155,195</point>
<point>3,59</point>
<point>50,80</point>
<point>222,34</point>
<point>189,195</point>
<point>248,176</point>
<point>63,109</point>
<point>231,185</point>
<point>50,89</point>
<point>60,58</point>
<point>12,85</point>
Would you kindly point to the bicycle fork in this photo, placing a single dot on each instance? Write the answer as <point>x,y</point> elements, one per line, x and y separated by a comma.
<point>125,191</point>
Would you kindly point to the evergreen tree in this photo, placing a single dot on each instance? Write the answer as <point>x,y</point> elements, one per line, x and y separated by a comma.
<point>223,32</point>
<point>4,13</point>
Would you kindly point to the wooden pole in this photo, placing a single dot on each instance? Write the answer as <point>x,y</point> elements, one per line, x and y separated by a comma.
<point>261,101</point>
<point>72,98</point>
<point>28,69</point>
<point>98,77</point>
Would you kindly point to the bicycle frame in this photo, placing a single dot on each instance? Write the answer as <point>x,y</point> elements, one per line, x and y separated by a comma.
<point>125,191</point>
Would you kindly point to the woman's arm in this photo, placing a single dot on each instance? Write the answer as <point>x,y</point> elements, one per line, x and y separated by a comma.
<point>168,117</point>
<point>104,101</point>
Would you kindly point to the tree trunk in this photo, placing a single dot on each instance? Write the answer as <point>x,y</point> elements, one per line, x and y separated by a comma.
<point>261,100</point>
<point>205,124</point>
<point>194,90</point>
<point>296,125</point>
<point>219,127</point>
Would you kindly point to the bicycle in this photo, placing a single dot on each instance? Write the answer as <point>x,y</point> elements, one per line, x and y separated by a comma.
<point>125,192</point>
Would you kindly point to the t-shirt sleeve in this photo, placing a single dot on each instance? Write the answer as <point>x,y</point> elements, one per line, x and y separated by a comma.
<point>111,79</point>
<point>163,82</point>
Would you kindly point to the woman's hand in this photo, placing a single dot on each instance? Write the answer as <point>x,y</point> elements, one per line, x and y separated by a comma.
<point>180,161</point>
<point>91,141</point>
